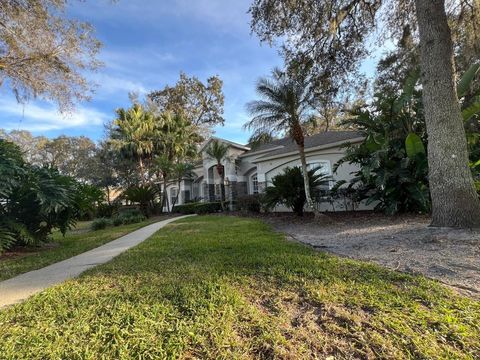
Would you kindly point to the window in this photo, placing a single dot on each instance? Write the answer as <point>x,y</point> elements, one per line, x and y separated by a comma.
<point>218,191</point>
<point>254,184</point>
<point>173,196</point>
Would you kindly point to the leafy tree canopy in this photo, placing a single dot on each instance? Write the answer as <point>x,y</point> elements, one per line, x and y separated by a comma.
<point>200,103</point>
<point>45,53</point>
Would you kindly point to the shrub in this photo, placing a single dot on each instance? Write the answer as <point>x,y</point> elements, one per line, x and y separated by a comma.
<point>392,160</point>
<point>88,198</point>
<point>198,208</point>
<point>107,210</point>
<point>100,223</point>
<point>288,188</point>
<point>250,203</point>
<point>185,209</point>
<point>128,216</point>
<point>33,200</point>
<point>117,221</point>
<point>143,195</point>
<point>208,208</point>
<point>129,211</point>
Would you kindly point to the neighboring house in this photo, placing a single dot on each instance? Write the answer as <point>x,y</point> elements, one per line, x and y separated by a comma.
<point>250,171</point>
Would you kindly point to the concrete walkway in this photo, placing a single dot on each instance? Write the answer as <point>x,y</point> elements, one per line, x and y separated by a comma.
<point>22,286</point>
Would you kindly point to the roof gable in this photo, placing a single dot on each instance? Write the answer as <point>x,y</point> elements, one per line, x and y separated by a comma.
<point>227,142</point>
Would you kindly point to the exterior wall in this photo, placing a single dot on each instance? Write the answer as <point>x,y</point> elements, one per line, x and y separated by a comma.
<point>268,168</point>
<point>240,173</point>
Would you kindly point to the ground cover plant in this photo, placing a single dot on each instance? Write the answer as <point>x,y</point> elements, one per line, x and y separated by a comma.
<point>75,242</point>
<point>226,287</point>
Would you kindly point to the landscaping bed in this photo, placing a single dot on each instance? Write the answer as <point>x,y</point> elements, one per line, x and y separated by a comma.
<point>228,287</point>
<point>400,242</point>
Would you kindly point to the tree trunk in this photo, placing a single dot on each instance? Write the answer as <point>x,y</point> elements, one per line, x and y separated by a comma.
<point>299,138</point>
<point>306,180</point>
<point>165,195</point>
<point>455,202</point>
<point>221,172</point>
<point>108,195</point>
<point>140,163</point>
<point>178,195</point>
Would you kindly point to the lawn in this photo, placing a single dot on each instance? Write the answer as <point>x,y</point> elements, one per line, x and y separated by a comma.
<point>75,242</point>
<point>223,287</point>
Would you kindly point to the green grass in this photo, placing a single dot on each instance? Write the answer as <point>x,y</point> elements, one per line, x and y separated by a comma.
<point>75,242</point>
<point>223,288</point>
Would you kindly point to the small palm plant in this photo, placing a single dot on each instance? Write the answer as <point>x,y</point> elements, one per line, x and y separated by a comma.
<point>219,152</point>
<point>287,188</point>
<point>143,195</point>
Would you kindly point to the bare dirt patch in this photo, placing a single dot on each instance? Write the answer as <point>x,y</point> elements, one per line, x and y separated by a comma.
<point>403,243</point>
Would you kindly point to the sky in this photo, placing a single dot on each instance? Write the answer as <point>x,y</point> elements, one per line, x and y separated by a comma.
<point>146,44</point>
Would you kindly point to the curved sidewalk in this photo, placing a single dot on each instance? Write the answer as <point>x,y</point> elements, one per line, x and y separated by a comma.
<point>22,286</point>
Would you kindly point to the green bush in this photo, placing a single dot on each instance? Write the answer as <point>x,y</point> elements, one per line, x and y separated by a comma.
<point>145,196</point>
<point>100,223</point>
<point>250,203</point>
<point>132,219</point>
<point>88,198</point>
<point>107,210</point>
<point>198,208</point>
<point>288,189</point>
<point>185,209</point>
<point>117,221</point>
<point>33,200</point>
<point>129,211</point>
<point>128,216</point>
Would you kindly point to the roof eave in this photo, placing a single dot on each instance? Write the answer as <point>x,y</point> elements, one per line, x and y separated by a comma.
<point>253,153</point>
<point>308,150</point>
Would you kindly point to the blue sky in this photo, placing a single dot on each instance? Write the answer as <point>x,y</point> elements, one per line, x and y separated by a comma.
<point>146,45</point>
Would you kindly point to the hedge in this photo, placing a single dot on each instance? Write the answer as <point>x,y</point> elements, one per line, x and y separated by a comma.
<point>198,208</point>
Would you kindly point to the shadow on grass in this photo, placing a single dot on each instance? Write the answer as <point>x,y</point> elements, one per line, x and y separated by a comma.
<point>223,287</point>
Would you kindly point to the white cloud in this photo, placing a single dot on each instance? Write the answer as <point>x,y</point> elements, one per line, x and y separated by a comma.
<point>108,85</point>
<point>35,117</point>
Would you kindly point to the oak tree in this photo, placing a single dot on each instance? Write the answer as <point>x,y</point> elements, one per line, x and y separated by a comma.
<point>44,53</point>
<point>332,37</point>
<point>200,103</point>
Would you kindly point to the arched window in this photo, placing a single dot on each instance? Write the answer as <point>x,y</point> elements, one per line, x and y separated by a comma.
<point>254,184</point>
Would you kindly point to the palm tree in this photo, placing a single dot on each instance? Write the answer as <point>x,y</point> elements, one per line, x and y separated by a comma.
<point>164,166</point>
<point>219,152</point>
<point>284,107</point>
<point>176,141</point>
<point>176,137</point>
<point>132,135</point>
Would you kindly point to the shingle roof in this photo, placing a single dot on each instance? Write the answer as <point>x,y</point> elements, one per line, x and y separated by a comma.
<point>288,145</point>
<point>273,144</point>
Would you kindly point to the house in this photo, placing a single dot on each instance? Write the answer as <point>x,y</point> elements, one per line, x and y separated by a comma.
<point>249,171</point>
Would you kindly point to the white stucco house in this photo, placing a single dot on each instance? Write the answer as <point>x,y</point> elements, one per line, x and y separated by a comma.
<point>250,171</point>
